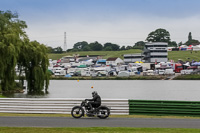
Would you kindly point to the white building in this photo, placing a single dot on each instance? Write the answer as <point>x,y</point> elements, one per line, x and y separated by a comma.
<point>132,58</point>
<point>155,52</point>
<point>114,61</point>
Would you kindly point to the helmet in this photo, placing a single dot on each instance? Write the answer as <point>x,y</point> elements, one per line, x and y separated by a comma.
<point>94,93</point>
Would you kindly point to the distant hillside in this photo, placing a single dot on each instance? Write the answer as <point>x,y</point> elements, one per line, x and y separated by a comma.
<point>106,54</point>
<point>172,55</point>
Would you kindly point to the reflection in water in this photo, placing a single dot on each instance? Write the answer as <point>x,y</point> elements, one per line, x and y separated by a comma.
<point>41,94</point>
<point>123,89</point>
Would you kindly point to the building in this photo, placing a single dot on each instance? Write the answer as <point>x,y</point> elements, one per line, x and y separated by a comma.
<point>155,52</point>
<point>132,58</point>
<point>114,61</point>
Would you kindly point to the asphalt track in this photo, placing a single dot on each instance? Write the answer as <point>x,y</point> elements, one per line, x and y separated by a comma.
<point>96,122</point>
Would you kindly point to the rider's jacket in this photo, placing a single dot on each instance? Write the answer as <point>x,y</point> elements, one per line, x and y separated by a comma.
<point>96,99</point>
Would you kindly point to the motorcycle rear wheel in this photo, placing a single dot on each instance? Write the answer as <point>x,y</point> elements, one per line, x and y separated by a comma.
<point>77,112</point>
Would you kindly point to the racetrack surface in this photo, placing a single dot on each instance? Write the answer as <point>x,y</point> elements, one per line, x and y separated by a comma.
<point>96,122</point>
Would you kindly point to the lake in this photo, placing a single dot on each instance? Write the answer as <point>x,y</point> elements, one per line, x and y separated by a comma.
<point>183,90</point>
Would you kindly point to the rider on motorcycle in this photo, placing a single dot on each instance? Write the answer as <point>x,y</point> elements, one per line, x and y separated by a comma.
<point>95,101</point>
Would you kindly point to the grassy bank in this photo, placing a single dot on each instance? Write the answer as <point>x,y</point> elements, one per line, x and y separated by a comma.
<point>187,77</point>
<point>184,55</point>
<point>105,54</point>
<point>95,130</point>
<point>111,78</point>
<point>111,116</point>
<point>1,96</point>
<point>172,55</point>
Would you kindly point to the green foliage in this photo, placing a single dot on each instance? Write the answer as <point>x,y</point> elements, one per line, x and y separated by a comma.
<point>15,49</point>
<point>128,47</point>
<point>190,42</point>
<point>80,45</point>
<point>190,36</point>
<point>159,35</point>
<point>111,47</point>
<point>11,39</point>
<point>172,44</point>
<point>58,50</point>
<point>123,48</point>
<point>96,46</point>
<point>139,44</point>
<point>50,49</point>
<point>35,60</point>
<point>87,48</point>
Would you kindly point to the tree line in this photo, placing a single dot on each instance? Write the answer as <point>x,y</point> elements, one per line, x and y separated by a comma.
<point>17,50</point>
<point>159,35</point>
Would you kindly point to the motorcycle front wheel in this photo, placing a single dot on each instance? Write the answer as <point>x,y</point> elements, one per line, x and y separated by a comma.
<point>103,112</point>
<point>77,112</point>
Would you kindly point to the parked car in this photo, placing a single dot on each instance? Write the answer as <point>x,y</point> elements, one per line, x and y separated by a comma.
<point>148,72</point>
<point>186,71</point>
<point>169,72</point>
<point>197,71</point>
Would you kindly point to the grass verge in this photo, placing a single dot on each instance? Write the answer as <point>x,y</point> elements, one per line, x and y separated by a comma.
<point>111,78</point>
<point>172,55</point>
<point>1,96</point>
<point>95,130</point>
<point>111,116</point>
<point>188,77</point>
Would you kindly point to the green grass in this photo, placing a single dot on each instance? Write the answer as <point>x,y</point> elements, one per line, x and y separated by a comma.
<point>95,130</point>
<point>105,54</point>
<point>187,77</point>
<point>184,55</point>
<point>111,78</point>
<point>1,96</point>
<point>172,55</point>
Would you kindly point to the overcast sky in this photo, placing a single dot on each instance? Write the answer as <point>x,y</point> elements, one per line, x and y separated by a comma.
<point>123,22</point>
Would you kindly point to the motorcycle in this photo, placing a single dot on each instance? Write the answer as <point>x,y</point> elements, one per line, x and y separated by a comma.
<point>79,111</point>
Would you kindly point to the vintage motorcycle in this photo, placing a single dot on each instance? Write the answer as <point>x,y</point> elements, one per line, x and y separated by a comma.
<point>79,111</point>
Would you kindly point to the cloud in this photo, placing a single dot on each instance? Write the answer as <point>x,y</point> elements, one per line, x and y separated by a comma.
<point>125,30</point>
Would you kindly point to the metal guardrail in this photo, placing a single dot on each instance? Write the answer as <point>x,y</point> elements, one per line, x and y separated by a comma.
<point>155,107</point>
<point>56,105</point>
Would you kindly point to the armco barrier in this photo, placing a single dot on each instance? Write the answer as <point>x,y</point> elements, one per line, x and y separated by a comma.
<point>56,105</point>
<point>153,107</point>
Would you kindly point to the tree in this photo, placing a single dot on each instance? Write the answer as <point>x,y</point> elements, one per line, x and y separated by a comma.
<point>80,45</point>
<point>50,49</point>
<point>34,60</point>
<point>58,50</point>
<point>139,45</point>
<point>87,48</point>
<point>190,36</point>
<point>190,40</point>
<point>96,46</point>
<point>109,48</point>
<point>112,47</point>
<point>12,35</point>
<point>128,47</point>
<point>159,35</point>
<point>172,44</point>
<point>15,48</point>
<point>123,48</point>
